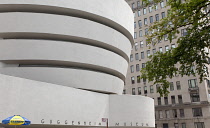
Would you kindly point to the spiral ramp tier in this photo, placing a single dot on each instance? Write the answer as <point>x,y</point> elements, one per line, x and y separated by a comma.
<point>68,49</point>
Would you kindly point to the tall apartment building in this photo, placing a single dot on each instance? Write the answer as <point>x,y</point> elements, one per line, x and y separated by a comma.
<point>59,64</point>
<point>187,105</point>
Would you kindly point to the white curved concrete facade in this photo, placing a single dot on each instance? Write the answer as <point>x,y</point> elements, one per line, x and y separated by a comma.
<point>53,51</point>
<point>120,18</point>
<point>71,107</point>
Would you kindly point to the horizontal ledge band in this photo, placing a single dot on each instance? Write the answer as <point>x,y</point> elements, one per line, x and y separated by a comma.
<point>67,12</point>
<point>70,77</point>
<point>63,64</point>
<point>66,38</point>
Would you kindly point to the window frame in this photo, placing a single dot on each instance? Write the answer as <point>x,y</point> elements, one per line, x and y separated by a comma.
<point>197,112</point>
<point>132,80</point>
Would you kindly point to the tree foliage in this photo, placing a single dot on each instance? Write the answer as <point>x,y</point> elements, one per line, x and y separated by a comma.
<point>193,15</point>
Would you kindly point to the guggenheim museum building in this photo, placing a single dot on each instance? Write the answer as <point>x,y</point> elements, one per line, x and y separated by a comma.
<point>63,64</point>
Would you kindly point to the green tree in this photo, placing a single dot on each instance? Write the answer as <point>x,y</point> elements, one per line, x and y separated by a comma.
<point>193,16</point>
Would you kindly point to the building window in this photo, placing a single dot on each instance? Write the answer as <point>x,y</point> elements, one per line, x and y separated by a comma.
<point>143,65</point>
<point>148,53</point>
<point>162,4</point>
<point>163,15</point>
<point>151,19</point>
<point>139,13</point>
<point>156,7</point>
<point>160,114</point>
<point>195,97</point>
<point>173,101</point>
<point>135,35</point>
<point>192,83</point>
<point>131,57</point>
<point>133,91</point>
<point>141,44</point>
<point>132,80</point>
<point>159,41</point>
<point>171,86</point>
<point>137,56</point>
<point>178,86</point>
<point>165,125</point>
<point>139,90</point>
<point>145,89</point>
<point>137,68</point>
<point>145,21</point>
<point>176,125</point>
<point>144,80</point>
<point>173,46</point>
<point>140,23</point>
<point>174,113</point>
<point>157,17</point>
<point>208,83</point>
<point>167,114</point>
<point>140,33</point>
<point>132,68</point>
<point>197,112</point>
<point>138,4</point>
<point>144,11</point>
<point>166,100</point>
<point>146,33</point>
<point>154,51</point>
<point>183,125</point>
<point>160,49</point>
<point>150,9</point>
<point>199,125</point>
<point>134,25</point>
<point>166,48</point>
<point>138,79</point>
<point>124,91</point>
<point>165,37</point>
<point>142,55</point>
<point>181,112</point>
<point>133,5</point>
<point>183,32</point>
<point>159,100</point>
<point>136,46</point>
<point>151,89</point>
<point>180,99</point>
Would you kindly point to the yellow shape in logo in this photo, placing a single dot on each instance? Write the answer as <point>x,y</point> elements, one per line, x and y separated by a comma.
<point>16,120</point>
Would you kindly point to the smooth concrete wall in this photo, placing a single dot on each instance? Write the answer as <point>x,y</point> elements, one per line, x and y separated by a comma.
<point>131,111</point>
<point>77,78</point>
<point>50,104</point>
<point>20,22</point>
<point>116,14</point>
<point>38,100</point>
<point>62,53</point>
<point>61,37</point>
